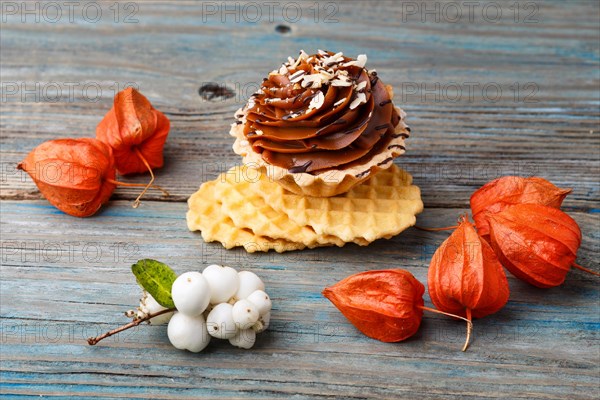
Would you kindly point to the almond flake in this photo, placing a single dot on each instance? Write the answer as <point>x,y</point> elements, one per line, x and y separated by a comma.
<point>341,81</point>
<point>296,76</point>
<point>360,98</point>
<point>283,70</point>
<point>360,62</point>
<point>339,102</point>
<point>317,101</point>
<point>361,86</point>
<point>313,80</point>
<point>334,59</point>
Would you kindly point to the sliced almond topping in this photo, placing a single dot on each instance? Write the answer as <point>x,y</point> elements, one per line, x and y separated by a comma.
<point>317,101</point>
<point>360,61</point>
<point>303,55</point>
<point>296,76</point>
<point>360,98</point>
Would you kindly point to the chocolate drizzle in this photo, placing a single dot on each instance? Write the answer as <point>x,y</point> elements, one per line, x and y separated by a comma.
<point>362,174</point>
<point>300,168</point>
<point>396,146</point>
<point>387,160</point>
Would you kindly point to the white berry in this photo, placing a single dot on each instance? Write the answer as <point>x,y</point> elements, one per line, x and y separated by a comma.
<point>188,333</point>
<point>244,339</point>
<point>249,283</point>
<point>261,300</point>
<point>148,305</point>
<point>263,323</point>
<point>190,293</point>
<point>244,313</point>
<point>220,322</point>
<point>223,282</point>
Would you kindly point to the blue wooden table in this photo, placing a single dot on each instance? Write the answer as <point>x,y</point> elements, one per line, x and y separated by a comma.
<point>490,88</point>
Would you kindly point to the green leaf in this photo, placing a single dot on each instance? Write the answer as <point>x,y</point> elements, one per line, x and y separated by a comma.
<point>157,278</point>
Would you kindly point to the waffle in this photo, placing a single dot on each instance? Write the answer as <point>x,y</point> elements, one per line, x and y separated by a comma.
<point>243,207</point>
<point>246,206</point>
<point>205,215</point>
<point>380,207</point>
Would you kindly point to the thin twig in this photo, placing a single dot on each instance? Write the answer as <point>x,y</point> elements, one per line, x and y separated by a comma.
<point>469,330</point>
<point>589,271</point>
<point>448,228</point>
<point>136,203</point>
<point>119,183</point>
<point>467,320</point>
<point>94,340</point>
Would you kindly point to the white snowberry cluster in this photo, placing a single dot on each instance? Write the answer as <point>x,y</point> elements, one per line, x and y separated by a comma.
<point>219,302</point>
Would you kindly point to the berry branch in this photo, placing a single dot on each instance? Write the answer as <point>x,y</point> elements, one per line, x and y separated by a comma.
<point>94,340</point>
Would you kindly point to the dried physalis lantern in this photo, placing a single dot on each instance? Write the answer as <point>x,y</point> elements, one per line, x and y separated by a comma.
<point>536,243</point>
<point>504,192</point>
<point>137,132</point>
<point>77,176</point>
<point>465,276</point>
<point>386,305</point>
<point>74,175</point>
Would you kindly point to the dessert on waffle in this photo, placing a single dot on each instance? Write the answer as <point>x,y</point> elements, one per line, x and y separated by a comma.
<point>318,142</point>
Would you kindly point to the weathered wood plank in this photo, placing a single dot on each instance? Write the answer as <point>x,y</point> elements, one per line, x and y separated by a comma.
<point>542,344</point>
<point>447,164</point>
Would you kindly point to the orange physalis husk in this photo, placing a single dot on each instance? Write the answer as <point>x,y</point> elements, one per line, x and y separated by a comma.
<point>385,305</point>
<point>504,192</point>
<point>536,243</point>
<point>74,175</point>
<point>465,276</point>
<point>137,132</point>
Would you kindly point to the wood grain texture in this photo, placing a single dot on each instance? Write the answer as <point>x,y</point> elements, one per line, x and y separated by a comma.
<point>63,279</point>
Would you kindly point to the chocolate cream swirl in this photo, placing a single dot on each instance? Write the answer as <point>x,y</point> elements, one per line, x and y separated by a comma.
<point>320,112</point>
